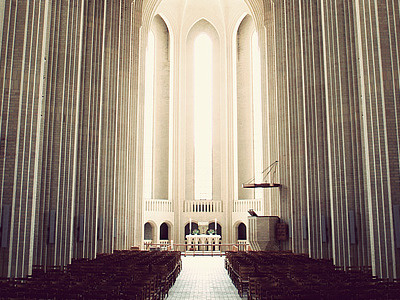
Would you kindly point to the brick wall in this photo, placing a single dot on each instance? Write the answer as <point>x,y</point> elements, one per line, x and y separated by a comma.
<point>66,127</point>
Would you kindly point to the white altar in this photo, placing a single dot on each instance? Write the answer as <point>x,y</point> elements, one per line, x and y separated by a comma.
<point>203,242</point>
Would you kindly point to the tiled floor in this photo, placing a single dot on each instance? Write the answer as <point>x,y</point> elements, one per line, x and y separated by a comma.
<point>203,277</point>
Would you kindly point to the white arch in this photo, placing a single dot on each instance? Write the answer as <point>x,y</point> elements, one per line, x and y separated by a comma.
<point>154,228</point>
<point>256,8</point>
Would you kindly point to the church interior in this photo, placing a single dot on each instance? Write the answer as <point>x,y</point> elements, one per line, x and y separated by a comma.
<point>158,126</point>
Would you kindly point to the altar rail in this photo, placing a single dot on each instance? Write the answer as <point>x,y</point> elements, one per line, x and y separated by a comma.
<point>210,249</point>
<point>162,246</point>
<point>158,205</point>
<point>199,249</point>
<point>202,206</point>
<point>245,205</point>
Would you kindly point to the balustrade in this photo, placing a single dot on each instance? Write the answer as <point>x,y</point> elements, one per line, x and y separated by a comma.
<point>242,245</point>
<point>163,205</point>
<point>158,205</point>
<point>203,206</point>
<point>245,205</point>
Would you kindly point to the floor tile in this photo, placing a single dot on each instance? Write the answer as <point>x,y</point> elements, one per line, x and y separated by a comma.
<point>203,277</point>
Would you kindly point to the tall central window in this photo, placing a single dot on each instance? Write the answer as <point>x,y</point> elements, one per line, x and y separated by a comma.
<point>203,117</point>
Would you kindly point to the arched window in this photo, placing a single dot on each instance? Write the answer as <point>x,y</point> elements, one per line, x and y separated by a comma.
<point>203,117</point>
<point>148,119</point>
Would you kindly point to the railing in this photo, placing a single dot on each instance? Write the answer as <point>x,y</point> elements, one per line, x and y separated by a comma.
<point>158,205</point>
<point>165,244</point>
<point>242,245</point>
<point>147,242</point>
<point>211,249</point>
<point>245,205</point>
<point>159,246</point>
<point>161,205</point>
<point>202,206</point>
<point>200,249</point>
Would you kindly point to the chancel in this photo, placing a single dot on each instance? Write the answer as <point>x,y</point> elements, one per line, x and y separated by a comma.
<point>204,238</point>
<point>137,124</point>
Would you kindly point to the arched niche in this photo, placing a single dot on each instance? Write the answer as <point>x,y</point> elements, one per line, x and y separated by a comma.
<point>211,225</point>
<point>165,231</point>
<point>242,232</point>
<point>149,232</point>
<point>157,108</point>
<point>244,107</point>
<point>187,227</point>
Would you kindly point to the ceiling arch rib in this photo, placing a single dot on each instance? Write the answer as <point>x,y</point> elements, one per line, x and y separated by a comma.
<point>230,10</point>
<point>203,26</point>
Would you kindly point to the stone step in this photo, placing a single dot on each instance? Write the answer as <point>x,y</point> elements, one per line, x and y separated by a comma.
<point>203,253</point>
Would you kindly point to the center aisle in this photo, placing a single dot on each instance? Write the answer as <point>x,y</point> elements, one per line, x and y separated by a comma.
<point>203,277</point>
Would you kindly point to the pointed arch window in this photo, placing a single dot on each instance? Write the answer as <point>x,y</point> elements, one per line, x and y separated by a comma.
<point>203,116</point>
